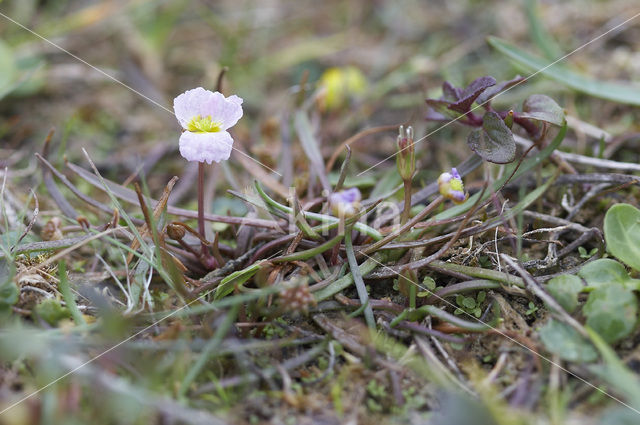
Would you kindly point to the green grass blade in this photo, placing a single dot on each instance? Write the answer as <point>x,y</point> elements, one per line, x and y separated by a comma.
<point>357,278</point>
<point>209,349</point>
<point>539,34</point>
<point>617,92</point>
<point>68,297</point>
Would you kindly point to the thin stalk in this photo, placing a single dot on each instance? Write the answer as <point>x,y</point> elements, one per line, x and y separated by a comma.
<point>201,204</point>
<point>207,260</point>
<point>343,169</point>
<point>406,211</point>
<point>357,278</point>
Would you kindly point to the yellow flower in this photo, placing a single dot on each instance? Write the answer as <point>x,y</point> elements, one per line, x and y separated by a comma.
<point>339,85</point>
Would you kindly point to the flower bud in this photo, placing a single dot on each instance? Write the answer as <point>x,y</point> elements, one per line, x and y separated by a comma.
<point>406,157</point>
<point>345,203</point>
<point>175,231</point>
<point>451,186</point>
<point>508,119</point>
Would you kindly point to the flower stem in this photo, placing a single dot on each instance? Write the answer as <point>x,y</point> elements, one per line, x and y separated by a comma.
<point>406,211</point>
<point>205,256</point>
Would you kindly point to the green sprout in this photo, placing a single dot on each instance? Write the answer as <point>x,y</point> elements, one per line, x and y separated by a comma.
<point>470,305</point>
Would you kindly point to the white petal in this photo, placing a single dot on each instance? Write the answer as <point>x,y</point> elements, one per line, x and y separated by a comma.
<point>235,99</point>
<point>203,103</point>
<point>192,103</point>
<point>226,110</point>
<point>206,147</point>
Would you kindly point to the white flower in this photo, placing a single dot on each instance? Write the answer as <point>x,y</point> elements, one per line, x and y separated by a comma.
<point>205,116</point>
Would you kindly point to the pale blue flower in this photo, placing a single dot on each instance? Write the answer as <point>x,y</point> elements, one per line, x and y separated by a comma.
<point>452,187</point>
<point>345,203</point>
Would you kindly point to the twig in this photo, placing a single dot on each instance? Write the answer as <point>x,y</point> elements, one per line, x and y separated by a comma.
<point>585,160</point>
<point>343,170</point>
<point>425,261</point>
<point>461,288</point>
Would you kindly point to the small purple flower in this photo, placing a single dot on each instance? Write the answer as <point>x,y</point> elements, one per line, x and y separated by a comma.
<point>452,187</point>
<point>205,116</point>
<point>346,202</point>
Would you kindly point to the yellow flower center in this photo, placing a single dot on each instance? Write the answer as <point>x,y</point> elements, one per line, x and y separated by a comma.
<point>456,184</point>
<point>199,124</point>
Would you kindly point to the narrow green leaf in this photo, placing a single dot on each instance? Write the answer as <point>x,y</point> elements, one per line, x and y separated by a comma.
<point>67,295</point>
<point>311,147</point>
<point>539,34</point>
<point>8,289</point>
<point>8,69</point>
<point>615,372</point>
<point>235,279</point>
<point>357,278</point>
<point>209,350</point>
<point>617,92</point>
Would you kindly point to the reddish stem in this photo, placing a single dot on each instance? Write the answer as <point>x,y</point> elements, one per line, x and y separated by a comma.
<point>205,256</point>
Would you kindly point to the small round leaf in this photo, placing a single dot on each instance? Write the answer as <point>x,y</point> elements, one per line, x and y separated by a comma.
<point>612,311</point>
<point>494,141</point>
<point>542,108</point>
<point>603,272</point>
<point>622,234</point>
<point>565,289</point>
<point>566,342</point>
